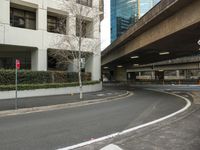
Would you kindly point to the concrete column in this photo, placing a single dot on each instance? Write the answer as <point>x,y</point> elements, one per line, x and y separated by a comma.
<point>93,65</point>
<point>177,73</point>
<point>4,18</point>
<point>153,75</point>
<point>120,74</point>
<point>95,3</point>
<point>185,74</point>
<point>5,11</point>
<point>42,19</point>
<point>73,67</point>
<point>39,60</point>
<point>96,27</point>
<point>71,25</point>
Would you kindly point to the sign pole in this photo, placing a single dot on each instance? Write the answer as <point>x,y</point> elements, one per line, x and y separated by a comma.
<point>17,67</point>
<point>16,87</point>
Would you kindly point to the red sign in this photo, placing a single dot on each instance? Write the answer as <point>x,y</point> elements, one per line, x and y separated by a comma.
<point>17,64</point>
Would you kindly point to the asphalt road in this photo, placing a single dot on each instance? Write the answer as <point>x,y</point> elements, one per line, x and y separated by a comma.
<point>60,128</point>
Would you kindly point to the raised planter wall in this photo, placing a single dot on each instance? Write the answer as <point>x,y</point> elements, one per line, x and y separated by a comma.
<point>49,92</point>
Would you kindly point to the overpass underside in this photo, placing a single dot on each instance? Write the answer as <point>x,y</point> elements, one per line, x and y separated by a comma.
<point>169,31</point>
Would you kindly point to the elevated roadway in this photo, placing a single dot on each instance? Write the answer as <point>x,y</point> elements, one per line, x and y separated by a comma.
<point>172,26</point>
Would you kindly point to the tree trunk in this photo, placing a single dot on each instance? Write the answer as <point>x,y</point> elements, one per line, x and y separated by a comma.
<point>80,81</point>
<point>79,60</point>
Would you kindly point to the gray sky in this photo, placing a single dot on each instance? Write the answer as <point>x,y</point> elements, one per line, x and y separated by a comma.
<point>105,26</point>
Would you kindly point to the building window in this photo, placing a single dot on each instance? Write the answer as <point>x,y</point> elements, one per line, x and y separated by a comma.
<point>56,24</point>
<point>86,26</point>
<point>85,2</point>
<point>22,18</point>
<point>9,62</point>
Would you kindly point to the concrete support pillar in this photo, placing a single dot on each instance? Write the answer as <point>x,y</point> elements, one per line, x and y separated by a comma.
<point>96,27</point>
<point>4,18</point>
<point>71,25</point>
<point>93,65</point>
<point>185,74</point>
<point>95,4</point>
<point>153,75</point>
<point>39,60</point>
<point>5,12</point>
<point>140,74</point>
<point>120,74</point>
<point>177,73</point>
<point>73,67</point>
<point>42,19</point>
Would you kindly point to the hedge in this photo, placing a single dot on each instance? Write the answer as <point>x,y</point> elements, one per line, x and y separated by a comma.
<point>7,77</point>
<point>44,86</point>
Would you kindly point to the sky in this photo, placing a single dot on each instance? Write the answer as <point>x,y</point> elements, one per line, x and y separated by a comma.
<point>105,26</point>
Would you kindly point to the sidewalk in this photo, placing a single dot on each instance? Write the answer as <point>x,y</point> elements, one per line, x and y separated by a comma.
<point>9,104</point>
<point>181,132</point>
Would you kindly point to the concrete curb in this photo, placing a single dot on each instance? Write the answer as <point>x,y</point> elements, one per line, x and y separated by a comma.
<point>196,97</point>
<point>63,106</point>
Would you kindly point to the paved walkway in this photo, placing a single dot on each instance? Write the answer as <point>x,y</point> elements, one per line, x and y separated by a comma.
<point>9,104</point>
<point>181,132</point>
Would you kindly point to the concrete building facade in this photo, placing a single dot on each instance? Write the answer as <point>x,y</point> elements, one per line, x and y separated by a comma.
<point>30,28</point>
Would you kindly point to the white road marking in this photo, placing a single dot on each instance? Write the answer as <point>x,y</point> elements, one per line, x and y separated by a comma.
<point>100,95</point>
<point>109,93</point>
<point>134,128</point>
<point>111,147</point>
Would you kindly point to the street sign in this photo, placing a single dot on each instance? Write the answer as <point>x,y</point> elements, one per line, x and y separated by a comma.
<point>17,64</point>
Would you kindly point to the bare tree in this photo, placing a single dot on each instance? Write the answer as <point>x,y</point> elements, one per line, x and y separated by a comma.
<point>79,45</point>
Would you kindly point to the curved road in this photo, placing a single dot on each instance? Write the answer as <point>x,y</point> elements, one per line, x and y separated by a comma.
<point>60,128</point>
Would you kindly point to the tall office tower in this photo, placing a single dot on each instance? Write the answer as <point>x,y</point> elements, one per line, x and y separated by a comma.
<point>145,6</point>
<point>124,13</point>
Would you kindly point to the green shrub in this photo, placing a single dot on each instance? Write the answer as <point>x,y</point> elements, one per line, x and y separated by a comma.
<point>59,77</point>
<point>36,77</point>
<point>43,86</point>
<point>7,77</point>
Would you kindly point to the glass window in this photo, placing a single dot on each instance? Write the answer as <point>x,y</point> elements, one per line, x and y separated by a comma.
<point>56,24</point>
<point>22,18</point>
<point>85,2</point>
<point>9,62</point>
<point>86,28</point>
<point>124,13</point>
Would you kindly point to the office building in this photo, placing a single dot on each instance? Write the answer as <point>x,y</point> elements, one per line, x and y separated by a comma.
<point>145,6</point>
<point>124,13</point>
<point>29,28</point>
